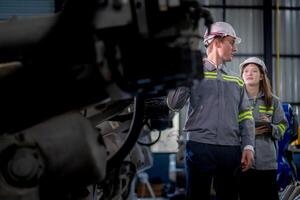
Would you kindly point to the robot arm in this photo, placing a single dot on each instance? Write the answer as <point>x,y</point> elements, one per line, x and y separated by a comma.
<point>47,148</point>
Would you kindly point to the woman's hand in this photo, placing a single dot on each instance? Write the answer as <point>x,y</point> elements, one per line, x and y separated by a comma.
<point>265,127</point>
<point>265,118</point>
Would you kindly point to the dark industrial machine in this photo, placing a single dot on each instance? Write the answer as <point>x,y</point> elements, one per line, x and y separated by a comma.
<point>81,90</point>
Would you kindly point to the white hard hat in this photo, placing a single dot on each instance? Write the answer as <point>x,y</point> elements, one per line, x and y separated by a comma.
<point>220,29</point>
<point>254,60</point>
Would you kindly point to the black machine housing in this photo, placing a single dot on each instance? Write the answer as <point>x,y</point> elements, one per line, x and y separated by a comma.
<point>94,52</point>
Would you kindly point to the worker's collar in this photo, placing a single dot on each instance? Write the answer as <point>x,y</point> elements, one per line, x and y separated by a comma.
<point>259,95</point>
<point>211,66</point>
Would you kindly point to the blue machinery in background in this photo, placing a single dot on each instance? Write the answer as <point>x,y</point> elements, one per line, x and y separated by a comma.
<point>287,170</point>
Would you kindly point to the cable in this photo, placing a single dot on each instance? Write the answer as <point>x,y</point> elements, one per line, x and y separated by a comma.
<point>277,44</point>
<point>133,134</point>
<point>150,143</point>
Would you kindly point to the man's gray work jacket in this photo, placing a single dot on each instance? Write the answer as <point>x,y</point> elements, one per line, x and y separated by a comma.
<point>218,108</point>
<point>265,157</point>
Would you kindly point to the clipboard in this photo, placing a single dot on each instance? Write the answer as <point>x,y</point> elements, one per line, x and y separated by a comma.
<point>262,123</point>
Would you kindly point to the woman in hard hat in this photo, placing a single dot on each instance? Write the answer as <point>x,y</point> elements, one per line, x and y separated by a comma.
<point>270,124</point>
<point>219,125</point>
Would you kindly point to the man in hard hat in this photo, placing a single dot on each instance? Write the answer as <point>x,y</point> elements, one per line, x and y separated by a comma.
<point>219,126</point>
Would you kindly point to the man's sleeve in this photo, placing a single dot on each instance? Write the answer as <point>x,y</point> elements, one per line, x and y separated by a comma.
<point>246,121</point>
<point>177,98</point>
